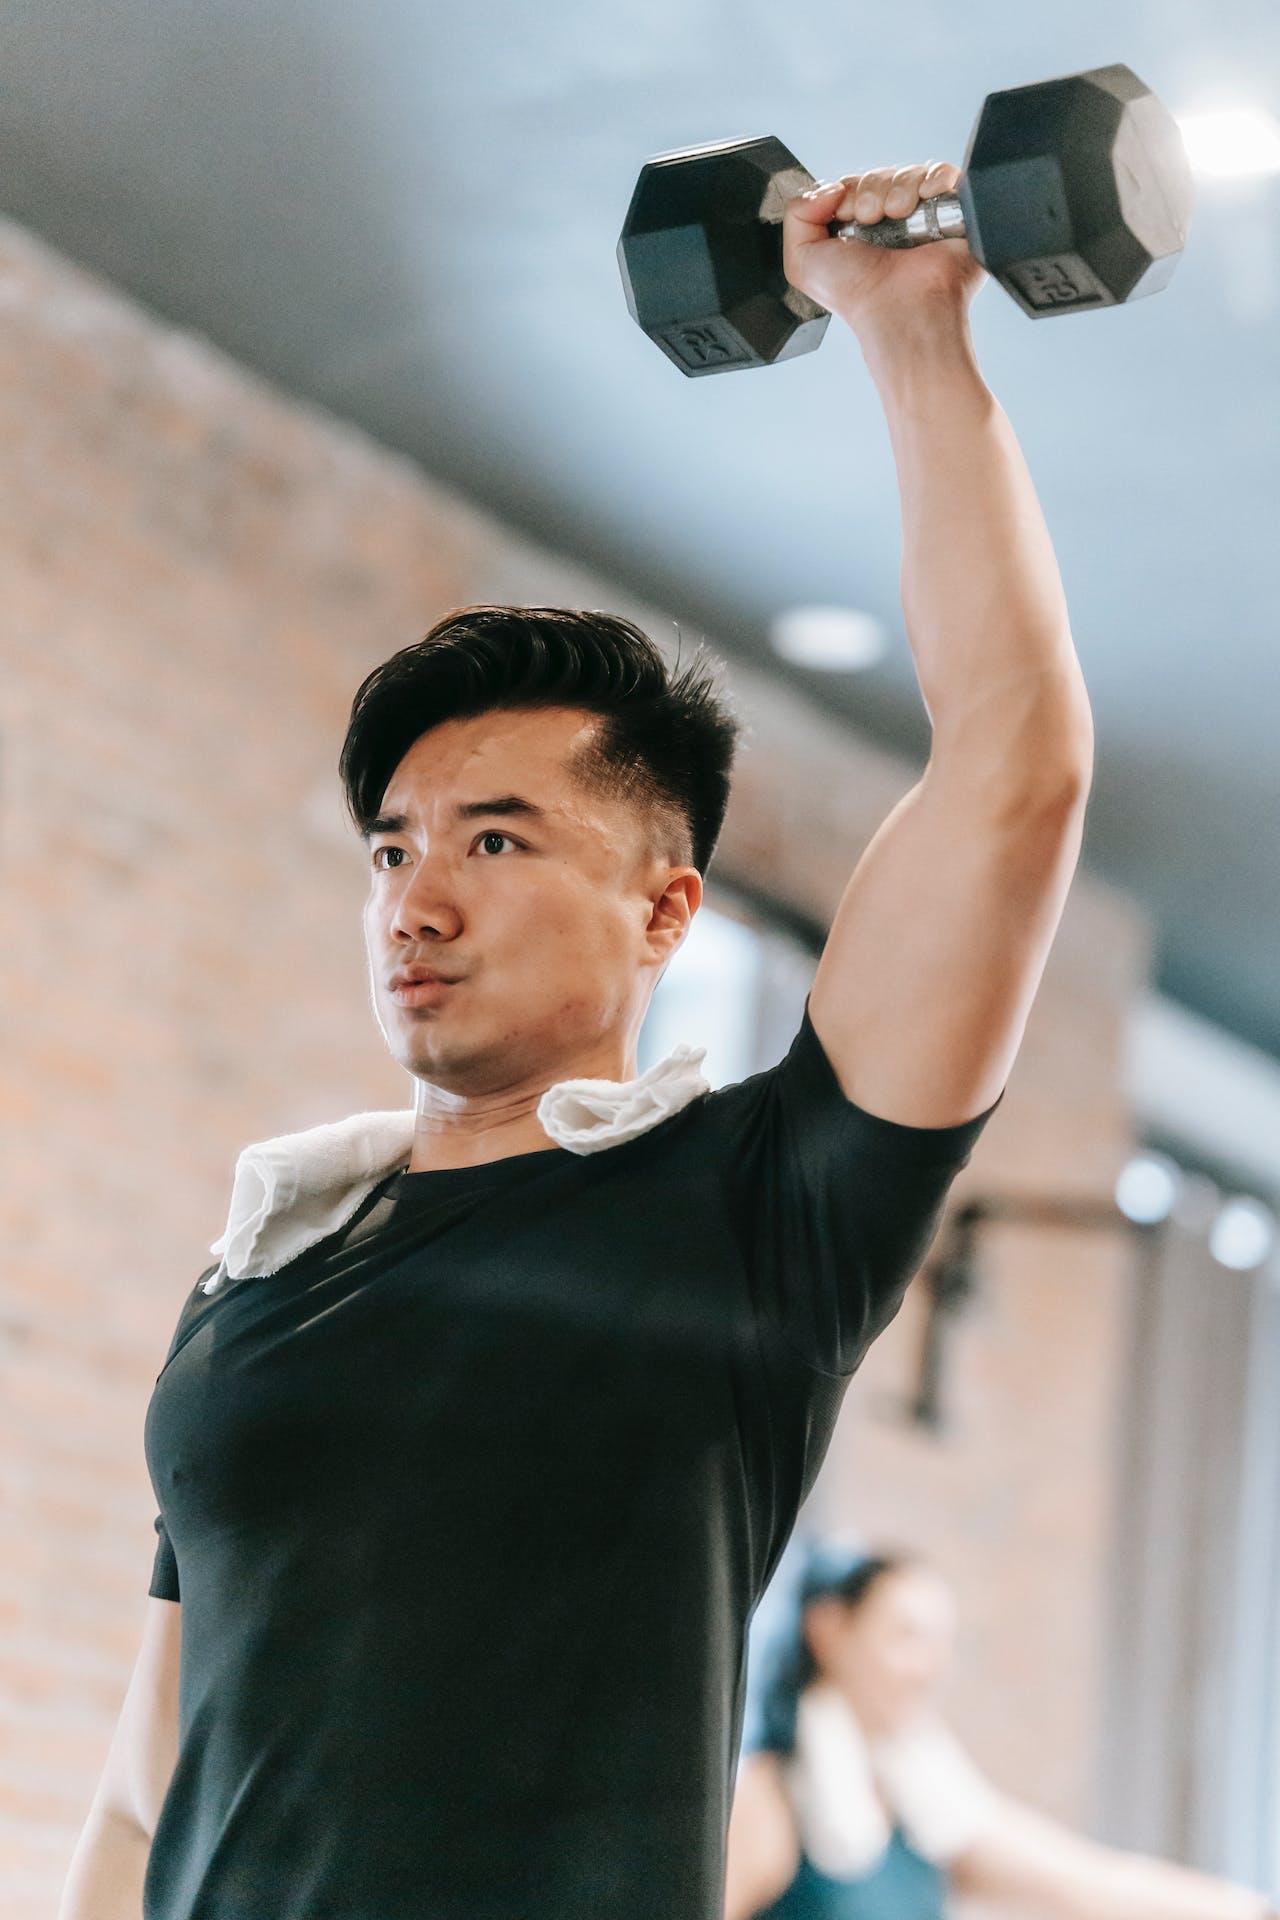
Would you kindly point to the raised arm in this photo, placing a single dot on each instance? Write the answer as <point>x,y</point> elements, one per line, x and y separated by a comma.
<point>940,941</point>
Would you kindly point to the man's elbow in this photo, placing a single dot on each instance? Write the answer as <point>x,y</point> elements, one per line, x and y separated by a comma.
<point>1058,789</point>
<point>1069,747</point>
<point>1047,773</point>
<point>1026,750</point>
<point>1036,802</point>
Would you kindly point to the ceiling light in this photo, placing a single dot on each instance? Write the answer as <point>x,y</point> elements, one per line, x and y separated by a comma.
<point>1147,1188</point>
<point>1242,141</point>
<point>828,639</point>
<point>1243,1234</point>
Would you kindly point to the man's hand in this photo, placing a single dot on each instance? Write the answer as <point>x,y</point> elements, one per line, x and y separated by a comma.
<point>877,289</point>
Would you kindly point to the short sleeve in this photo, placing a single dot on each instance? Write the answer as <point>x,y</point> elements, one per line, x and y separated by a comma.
<point>834,1208</point>
<point>164,1573</point>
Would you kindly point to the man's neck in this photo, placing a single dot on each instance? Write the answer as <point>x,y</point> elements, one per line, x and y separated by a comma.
<point>441,1144</point>
<point>449,1134</point>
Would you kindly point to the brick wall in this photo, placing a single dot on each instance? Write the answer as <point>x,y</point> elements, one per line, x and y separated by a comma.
<point>196,574</point>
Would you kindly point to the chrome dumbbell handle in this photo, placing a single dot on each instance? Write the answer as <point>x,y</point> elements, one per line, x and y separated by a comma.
<point>941,218</point>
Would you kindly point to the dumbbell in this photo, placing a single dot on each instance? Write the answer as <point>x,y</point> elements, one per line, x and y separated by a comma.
<point>1075,194</point>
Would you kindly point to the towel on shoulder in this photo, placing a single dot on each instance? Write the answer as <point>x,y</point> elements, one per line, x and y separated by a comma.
<point>291,1191</point>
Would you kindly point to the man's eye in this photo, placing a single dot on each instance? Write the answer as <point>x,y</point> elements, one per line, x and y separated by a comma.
<point>491,843</point>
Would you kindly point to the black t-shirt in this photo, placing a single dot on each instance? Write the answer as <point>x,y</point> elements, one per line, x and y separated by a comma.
<point>468,1507</point>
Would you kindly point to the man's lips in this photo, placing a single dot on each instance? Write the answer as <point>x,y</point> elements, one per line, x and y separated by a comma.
<point>418,986</point>
<point>413,976</point>
<point>422,993</point>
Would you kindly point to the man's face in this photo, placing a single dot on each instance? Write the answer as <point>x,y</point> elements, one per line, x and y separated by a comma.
<point>542,904</point>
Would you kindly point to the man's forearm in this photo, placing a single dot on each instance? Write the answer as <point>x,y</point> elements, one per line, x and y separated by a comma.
<point>982,597</point>
<point>108,1867</point>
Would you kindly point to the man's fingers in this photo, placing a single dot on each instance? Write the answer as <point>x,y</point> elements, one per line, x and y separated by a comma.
<point>814,206</point>
<point>893,191</point>
<point>884,193</point>
<point>939,176</point>
<point>865,194</point>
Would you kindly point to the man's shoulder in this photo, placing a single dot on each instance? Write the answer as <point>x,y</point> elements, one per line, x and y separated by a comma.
<point>727,1110</point>
<point>756,1089</point>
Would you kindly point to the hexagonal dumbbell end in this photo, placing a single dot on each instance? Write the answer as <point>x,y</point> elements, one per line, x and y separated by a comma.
<point>701,257</point>
<point>1077,192</point>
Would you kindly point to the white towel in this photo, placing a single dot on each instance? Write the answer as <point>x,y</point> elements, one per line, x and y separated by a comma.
<point>933,1789</point>
<point>291,1191</point>
<point>586,1115</point>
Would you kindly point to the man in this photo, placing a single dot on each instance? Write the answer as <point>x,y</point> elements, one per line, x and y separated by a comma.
<point>476,1451</point>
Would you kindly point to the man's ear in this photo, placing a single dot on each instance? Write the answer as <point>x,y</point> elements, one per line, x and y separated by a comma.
<point>673,910</point>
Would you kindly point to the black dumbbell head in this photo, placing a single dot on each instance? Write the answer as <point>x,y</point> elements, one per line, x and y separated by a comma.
<point>701,257</point>
<point>1077,192</point>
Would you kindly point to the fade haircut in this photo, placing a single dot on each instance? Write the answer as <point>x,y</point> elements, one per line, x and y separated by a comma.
<point>665,742</point>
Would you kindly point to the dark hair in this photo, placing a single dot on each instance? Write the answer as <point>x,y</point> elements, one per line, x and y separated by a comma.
<point>831,1571</point>
<point>665,742</point>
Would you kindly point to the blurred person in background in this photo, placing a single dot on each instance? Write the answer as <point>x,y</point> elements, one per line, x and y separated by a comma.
<point>857,1802</point>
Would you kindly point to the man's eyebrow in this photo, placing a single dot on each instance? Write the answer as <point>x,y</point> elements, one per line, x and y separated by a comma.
<point>505,805</point>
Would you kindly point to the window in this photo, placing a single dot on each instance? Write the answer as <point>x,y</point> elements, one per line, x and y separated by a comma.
<point>737,987</point>
<point>1190,1765</point>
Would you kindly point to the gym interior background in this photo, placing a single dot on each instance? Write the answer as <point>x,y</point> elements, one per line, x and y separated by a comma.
<point>311,328</point>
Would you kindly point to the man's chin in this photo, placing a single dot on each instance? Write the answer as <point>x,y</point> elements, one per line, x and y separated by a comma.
<point>450,1059</point>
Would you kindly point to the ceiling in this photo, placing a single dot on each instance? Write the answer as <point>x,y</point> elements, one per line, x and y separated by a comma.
<point>407,213</point>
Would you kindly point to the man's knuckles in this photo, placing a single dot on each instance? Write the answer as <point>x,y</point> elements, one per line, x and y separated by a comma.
<point>884,193</point>
<point>893,191</point>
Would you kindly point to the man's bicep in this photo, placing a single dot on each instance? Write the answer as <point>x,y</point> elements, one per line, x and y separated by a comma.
<point>939,944</point>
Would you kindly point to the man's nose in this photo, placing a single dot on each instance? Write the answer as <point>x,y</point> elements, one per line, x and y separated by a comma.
<point>428,908</point>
